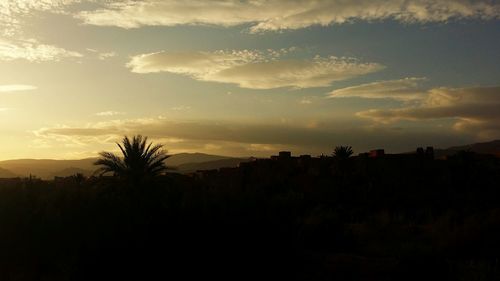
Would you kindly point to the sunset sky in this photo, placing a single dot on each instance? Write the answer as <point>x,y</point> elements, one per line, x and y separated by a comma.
<point>247,78</point>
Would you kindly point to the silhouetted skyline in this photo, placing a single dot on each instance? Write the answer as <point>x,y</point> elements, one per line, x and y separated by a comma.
<point>372,216</point>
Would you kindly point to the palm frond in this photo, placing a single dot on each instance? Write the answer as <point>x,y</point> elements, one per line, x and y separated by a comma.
<point>109,162</point>
<point>140,159</point>
<point>343,152</point>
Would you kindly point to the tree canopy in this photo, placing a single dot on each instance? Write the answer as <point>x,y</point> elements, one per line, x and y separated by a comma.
<point>140,159</point>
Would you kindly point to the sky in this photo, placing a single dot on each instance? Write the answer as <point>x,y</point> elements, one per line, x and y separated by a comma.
<point>247,77</point>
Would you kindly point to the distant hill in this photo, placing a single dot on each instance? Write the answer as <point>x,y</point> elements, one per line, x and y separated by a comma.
<point>492,147</point>
<point>182,162</point>
<point>210,165</point>
<point>7,174</point>
<point>45,168</point>
<point>185,158</point>
<point>70,172</point>
<point>48,168</point>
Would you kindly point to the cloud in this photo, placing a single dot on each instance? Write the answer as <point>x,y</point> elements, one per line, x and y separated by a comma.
<point>283,14</point>
<point>13,7</point>
<point>474,110</point>
<point>33,51</point>
<point>402,89</point>
<point>12,12</point>
<point>109,113</point>
<point>192,130</point>
<point>253,69</point>
<point>105,56</point>
<point>16,88</point>
<point>305,101</point>
<point>181,108</point>
<point>198,64</point>
<point>244,139</point>
<point>102,55</point>
<point>14,44</point>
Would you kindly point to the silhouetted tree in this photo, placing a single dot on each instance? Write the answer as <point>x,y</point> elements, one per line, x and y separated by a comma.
<point>140,160</point>
<point>343,152</point>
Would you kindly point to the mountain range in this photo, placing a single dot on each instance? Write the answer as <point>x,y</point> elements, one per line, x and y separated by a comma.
<point>180,163</point>
<point>492,147</point>
<point>49,168</point>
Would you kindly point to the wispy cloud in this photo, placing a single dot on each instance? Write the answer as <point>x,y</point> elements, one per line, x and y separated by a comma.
<point>15,44</point>
<point>283,14</point>
<point>226,137</point>
<point>305,101</point>
<point>402,89</point>
<point>102,55</point>
<point>12,12</point>
<point>253,69</point>
<point>107,55</point>
<point>181,108</point>
<point>109,113</point>
<point>474,110</point>
<point>33,51</point>
<point>16,88</point>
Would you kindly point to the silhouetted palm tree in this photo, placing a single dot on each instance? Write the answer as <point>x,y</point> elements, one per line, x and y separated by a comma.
<point>140,160</point>
<point>343,152</point>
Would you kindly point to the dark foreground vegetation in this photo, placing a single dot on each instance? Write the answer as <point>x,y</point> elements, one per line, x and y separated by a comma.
<point>330,218</point>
